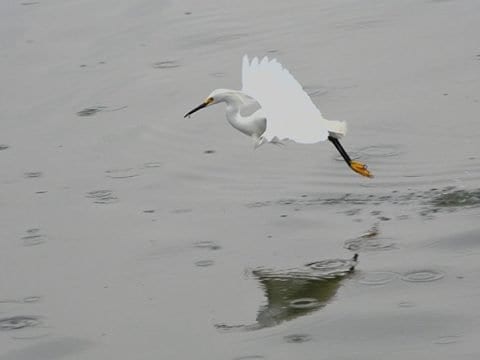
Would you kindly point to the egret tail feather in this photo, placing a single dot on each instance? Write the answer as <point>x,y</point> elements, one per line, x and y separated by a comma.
<point>337,128</point>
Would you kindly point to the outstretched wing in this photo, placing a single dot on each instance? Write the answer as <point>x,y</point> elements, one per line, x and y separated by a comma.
<point>290,112</point>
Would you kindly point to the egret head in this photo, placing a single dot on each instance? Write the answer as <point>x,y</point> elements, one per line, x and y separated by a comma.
<point>215,97</point>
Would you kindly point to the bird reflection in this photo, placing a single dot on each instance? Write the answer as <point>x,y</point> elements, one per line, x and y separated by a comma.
<point>297,292</point>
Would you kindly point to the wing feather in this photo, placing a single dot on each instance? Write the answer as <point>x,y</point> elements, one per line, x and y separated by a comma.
<point>290,112</point>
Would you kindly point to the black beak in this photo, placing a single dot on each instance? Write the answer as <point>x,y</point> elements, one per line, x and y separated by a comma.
<point>201,106</point>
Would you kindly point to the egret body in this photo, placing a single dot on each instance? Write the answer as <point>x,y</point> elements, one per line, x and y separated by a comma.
<point>272,106</point>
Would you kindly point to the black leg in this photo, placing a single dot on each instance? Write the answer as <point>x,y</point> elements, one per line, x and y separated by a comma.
<point>356,166</point>
<point>340,149</point>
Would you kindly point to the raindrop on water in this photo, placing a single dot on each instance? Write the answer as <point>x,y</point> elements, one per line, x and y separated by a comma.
<point>121,173</point>
<point>102,196</point>
<point>90,111</point>
<point>423,276</point>
<point>331,265</point>
<point>204,263</point>
<point>206,244</point>
<point>297,338</point>
<point>33,237</point>
<point>406,304</point>
<point>166,64</point>
<point>31,299</point>
<point>445,340</point>
<point>377,278</point>
<point>304,303</point>
<point>32,174</point>
<point>152,164</point>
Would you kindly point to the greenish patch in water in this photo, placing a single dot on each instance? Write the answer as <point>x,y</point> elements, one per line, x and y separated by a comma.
<point>457,198</point>
<point>428,202</point>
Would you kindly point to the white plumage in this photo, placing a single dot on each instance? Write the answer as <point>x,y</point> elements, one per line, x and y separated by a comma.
<point>272,106</point>
<point>289,111</point>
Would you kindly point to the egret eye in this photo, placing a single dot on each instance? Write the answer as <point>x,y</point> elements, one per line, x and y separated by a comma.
<point>209,100</point>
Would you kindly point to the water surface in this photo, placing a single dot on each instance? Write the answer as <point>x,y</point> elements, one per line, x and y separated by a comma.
<point>130,232</point>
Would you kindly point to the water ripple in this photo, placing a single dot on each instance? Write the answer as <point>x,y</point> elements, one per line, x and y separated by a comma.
<point>423,276</point>
<point>218,74</point>
<point>121,173</point>
<point>304,303</point>
<point>152,164</point>
<point>377,278</point>
<point>102,196</point>
<point>33,237</point>
<point>25,300</point>
<point>31,299</point>
<point>207,244</point>
<point>333,267</point>
<point>91,111</point>
<point>297,338</point>
<point>456,198</point>
<point>370,241</point>
<point>445,340</point>
<point>18,322</point>
<point>166,64</point>
<point>292,293</point>
<point>317,270</point>
<point>430,201</point>
<point>204,263</point>
<point>32,174</point>
<point>373,153</point>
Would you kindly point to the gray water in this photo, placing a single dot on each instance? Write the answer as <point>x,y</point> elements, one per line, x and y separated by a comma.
<point>129,232</point>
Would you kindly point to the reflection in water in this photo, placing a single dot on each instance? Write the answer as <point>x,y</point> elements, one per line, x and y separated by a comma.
<point>289,298</point>
<point>379,151</point>
<point>297,292</point>
<point>370,241</point>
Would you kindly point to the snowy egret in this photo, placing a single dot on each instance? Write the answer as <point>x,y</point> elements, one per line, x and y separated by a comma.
<point>272,106</point>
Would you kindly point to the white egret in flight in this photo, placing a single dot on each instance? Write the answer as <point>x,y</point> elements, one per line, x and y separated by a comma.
<point>272,106</point>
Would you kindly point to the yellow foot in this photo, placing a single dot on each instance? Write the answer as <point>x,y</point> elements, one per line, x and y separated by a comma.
<point>360,168</point>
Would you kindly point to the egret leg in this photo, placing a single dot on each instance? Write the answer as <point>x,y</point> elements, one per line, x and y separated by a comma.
<point>356,166</point>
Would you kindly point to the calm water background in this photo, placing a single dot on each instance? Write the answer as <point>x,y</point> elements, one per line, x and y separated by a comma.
<point>130,232</point>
